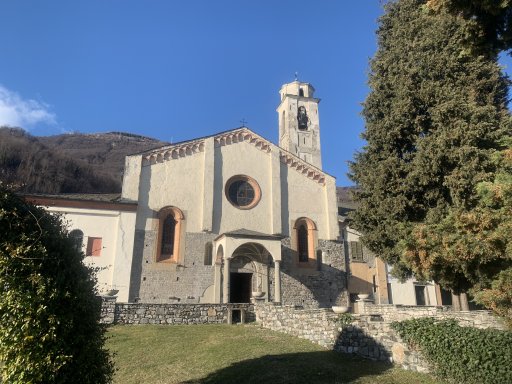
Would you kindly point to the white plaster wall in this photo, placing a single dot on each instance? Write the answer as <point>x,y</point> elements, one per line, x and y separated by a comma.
<point>176,182</point>
<point>131,175</point>
<point>308,198</point>
<point>189,182</point>
<point>124,253</point>
<point>404,293</point>
<point>117,232</point>
<point>351,234</point>
<point>242,159</point>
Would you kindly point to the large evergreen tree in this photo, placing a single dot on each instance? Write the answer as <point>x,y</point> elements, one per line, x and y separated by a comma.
<point>434,118</point>
<point>491,20</point>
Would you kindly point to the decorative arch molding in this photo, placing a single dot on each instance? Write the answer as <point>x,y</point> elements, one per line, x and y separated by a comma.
<point>173,152</point>
<point>241,135</point>
<point>304,242</point>
<point>170,227</point>
<point>302,167</point>
<point>254,251</point>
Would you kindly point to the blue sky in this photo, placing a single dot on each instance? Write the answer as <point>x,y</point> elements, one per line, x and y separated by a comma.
<point>175,70</point>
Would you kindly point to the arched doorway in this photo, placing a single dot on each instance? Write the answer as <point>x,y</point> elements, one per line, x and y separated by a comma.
<point>248,272</point>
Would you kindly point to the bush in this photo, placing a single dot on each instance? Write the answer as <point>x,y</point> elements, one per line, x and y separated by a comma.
<point>49,328</point>
<point>460,354</point>
<point>499,296</point>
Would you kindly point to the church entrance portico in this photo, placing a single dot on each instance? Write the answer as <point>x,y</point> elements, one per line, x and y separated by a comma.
<point>242,266</point>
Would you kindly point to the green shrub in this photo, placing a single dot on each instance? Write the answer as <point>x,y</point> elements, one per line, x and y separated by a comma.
<point>460,354</point>
<point>49,329</point>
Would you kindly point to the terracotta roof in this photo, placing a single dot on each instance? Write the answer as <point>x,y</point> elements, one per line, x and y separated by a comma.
<point>105,197</point>
<point>109,201</point>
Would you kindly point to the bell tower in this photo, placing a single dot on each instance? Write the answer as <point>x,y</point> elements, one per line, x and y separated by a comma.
<point>299,127</point>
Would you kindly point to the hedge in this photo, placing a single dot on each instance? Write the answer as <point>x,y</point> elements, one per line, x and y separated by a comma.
<point>460,354</point>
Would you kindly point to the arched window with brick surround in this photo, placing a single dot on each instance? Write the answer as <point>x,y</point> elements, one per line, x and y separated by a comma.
<point>169,234</point>
<point>305,238</point>
<point>302,242</point>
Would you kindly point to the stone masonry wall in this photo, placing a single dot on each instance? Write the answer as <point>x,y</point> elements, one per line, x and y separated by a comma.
<point>137,313</point>
<point>316,325</point>
<point>390,313</point>
<point>167,282</point>
<point>368,335</point>
<point>321,286</point>
<point>108,308</point>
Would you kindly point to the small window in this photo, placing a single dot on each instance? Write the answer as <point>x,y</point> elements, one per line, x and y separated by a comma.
<point>301,92</point>
<point>208,251</point>
<point>77,238</point>
<point>93,246</point>
<point>356,251</point>
<point>319,259</point>
<point>303,243</point>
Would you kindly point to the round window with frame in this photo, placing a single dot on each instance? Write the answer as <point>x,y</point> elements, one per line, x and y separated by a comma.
<point>243,192</point>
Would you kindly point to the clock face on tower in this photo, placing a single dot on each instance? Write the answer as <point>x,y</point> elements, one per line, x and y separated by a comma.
<point>302,118</point>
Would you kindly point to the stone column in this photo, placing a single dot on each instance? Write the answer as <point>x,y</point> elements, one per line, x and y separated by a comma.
<point>277,281</point>
<point>225,296</point>
<point>217,282</point>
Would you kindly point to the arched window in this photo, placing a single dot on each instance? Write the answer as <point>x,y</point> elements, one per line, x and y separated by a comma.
<point>169,234</point>
<point>301,92</point>
<point>77,237</point>
<point>208,251</point>
<point>302,241</point>
<point>305,237</point>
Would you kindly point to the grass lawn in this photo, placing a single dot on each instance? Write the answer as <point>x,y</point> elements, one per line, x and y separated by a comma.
<point>237,354</point>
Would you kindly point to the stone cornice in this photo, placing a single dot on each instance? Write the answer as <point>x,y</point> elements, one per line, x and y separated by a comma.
<point>240,135</point>
<point>173,152</point>
<point>302,167</point>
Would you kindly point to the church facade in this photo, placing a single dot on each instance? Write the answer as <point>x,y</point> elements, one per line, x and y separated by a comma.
<point>226,218</point>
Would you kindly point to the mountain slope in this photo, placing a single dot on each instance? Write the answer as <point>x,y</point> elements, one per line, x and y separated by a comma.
<point>70,163</point>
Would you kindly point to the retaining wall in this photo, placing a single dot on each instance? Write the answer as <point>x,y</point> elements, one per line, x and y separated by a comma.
<point>389,312</point>
<point>138,313</point>
<point>369,334</point>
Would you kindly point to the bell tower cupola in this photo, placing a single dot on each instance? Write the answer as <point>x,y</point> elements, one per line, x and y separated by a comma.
<point>299,127</point>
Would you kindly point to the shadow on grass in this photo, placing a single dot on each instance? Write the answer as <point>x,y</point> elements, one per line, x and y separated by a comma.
<point>308,367</point>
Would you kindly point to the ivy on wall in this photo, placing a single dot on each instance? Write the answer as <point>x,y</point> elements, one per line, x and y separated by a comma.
<point>460,354</point>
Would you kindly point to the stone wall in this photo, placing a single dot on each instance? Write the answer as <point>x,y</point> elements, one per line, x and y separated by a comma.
<point>108,308</point>
<point>320,286</point>
<point>390,313</point>
<point>369,334</point>
<point>138,313</point>
<point>162,283</point>
<point>317,325</point>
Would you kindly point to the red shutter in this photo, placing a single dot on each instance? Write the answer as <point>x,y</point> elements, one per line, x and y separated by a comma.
<point>93,246</point>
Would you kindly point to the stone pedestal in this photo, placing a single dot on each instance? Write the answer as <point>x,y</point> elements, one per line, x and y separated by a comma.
<point>362,305</point>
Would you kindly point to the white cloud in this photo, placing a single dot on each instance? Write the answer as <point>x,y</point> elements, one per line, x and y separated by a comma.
<point>17,112</point>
